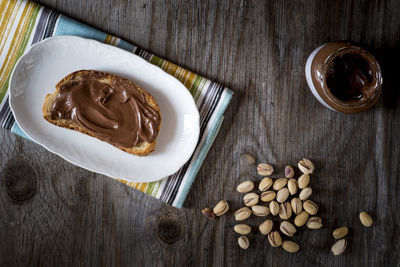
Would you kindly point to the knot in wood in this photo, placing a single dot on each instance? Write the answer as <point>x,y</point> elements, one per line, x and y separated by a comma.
<point>169,230</point>
<point>20,180</point>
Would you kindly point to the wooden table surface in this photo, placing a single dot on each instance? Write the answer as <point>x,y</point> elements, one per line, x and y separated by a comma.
<point>57,214</point>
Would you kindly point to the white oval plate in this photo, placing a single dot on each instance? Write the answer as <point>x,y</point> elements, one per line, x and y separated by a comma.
<point>47,62</point>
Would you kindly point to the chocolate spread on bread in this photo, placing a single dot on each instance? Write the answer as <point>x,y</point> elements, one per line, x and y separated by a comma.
<point>113,110</point>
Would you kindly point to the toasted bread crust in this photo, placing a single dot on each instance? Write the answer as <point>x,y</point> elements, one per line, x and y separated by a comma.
<point>141,149</point>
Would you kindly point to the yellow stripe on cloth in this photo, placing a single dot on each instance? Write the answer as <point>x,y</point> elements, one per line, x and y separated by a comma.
<point>140,186</point>
<point>16,42</point>
<point>5,23</point>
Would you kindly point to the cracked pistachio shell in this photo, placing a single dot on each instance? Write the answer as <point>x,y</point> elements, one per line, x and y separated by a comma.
<point>265,169</point>
<point>306,166</point>
<point>221,208</point>
<point>242,214</point>
<point>250,199</point>
<point>265,184</point>
<point>297,205</point>
<point>274,207</point>
<point>275,239</point>
<point>292,186</point>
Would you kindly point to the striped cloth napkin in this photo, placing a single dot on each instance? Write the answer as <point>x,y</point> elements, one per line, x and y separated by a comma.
<point>24,23</point>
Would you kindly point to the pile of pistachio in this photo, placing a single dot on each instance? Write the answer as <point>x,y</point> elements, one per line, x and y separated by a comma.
<point>283,197</point>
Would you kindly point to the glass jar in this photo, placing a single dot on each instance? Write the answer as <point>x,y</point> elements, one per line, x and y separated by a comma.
<point>344,77</point>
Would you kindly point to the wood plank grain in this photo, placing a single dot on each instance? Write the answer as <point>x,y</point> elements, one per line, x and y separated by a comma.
<point>258,49</point>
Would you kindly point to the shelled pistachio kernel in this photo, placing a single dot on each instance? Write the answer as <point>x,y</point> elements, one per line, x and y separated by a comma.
<point>289,171</point>
<point>260,210</point>
<point>265,184</point>
<point>301,219</point>
<point>287,228</point>
<point>297,205</point>
<point>279,183</point>
<point>221,208</point>
<point>310,207</point>
<point>366,219</point>
<point>243,242</point>
<point>292,186</point>
<point>305,193</point>
<point>275,239</point>
<point>290,246</point>
<point>265,169</point>
<point>208,213</point>
<point>303,181</point>
<point>242,229</point>
<point>339,247</point>
<point>266,227</point>
<point>340,232</point>
<point>267,196</point>
<point>274,207</point>
<point>306,166</point>
<point>314,223</point>
<point>285,211</point>
<point>245,187</point>
<point>242,214</point>
<point>250,199</point>
<point>282,195</point>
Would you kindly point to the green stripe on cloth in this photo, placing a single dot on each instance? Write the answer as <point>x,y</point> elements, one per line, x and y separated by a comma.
<point>22,48</point>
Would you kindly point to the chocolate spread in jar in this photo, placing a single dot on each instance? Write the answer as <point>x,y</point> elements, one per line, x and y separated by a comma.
<point>349,76</point>
<point>114,110</point>
<point>344,77</point>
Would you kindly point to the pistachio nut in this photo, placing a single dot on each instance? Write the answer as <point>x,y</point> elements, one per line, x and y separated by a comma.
<point>245,186</point>
<point>297,205</point>
<point>340,232</point>
<point>287,228</point>
<point>339,247</point>
<point>265,169</point>
<point>275,239</point>
<point>314,223</point>
<point>305,193</point>
<point>221,208</point>
<point>268,196</point>
<point>289,172</point>
<point>366,219</point>
<point>285,211</point>
<point>282,195</point>
<point>292,186</point>
<point>306,166</point>
<point>250,199</point>
<point>290,246</point>
<point>274,207</point>
<point>310,207</point>
<point>208,213</point>
<point>242,229</point>
<point>304,180</point>
<point>266,227</point>
<point>279,183</point>
<point>242,214</point>
<point>265,184</point>
<point>301,219</point>
<point>260,210</point>
<point>243,242</point>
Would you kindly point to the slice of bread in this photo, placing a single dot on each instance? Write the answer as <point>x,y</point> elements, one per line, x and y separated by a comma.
<point>142,149</point>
